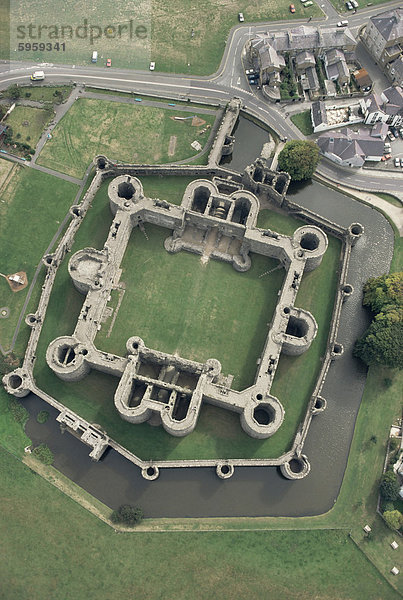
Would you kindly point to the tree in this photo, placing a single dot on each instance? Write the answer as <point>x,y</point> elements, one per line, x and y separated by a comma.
<point>129,515</point>
<point>43,453</point>
<point>382,291</point>
<point>299,158</point>
<point>389,487</point>
<point>382,343</point>
<point>14,92</point>
<point>393,518</point>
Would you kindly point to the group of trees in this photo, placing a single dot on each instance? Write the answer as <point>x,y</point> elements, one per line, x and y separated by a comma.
<point>382,343</point>
<point>299,158</point>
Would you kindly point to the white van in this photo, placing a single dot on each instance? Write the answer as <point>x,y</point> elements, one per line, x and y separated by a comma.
<point>94,56</point>
<point>37,76</point>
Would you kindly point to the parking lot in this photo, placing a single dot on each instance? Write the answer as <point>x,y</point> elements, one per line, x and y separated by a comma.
<point>396,151</point>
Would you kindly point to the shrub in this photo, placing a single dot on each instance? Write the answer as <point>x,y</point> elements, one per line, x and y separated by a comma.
<point>394,444</point>
<point>393,518</point>
<point>44,454</point>
<point>129,515</point>
<point>42,416</point>
<point>389,488</point>
<point>18,411</point>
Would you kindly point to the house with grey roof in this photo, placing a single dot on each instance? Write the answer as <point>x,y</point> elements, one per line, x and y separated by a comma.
<point>304,60</point>
<point>386,107</point>
<point>383,37</point>
<point>325,117</point>
<point>380,130</point>
<point>394,71</point>
<point>303,44</point>
<point>335,66</point>
<point>350,148</point>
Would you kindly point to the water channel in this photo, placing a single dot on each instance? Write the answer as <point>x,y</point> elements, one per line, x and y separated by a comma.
<point>251,491</point>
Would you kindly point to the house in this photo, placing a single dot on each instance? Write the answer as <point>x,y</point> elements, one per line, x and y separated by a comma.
<point>330,117</point>
<point>304,60</point>
<point>380,130</point>
<point>349,148</point>
<point>305,44</point>
<point>386,107</point>
<point>363,80</point>
<point>335,66</point>
<point>383,36</point>
<point>394,71</point>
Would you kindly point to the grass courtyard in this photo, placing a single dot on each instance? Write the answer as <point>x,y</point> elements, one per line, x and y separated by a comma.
<point>31,209</point>
<point>28,123</point>
<point>125,132</point>
<point>205,312</point>
<point>303,121</point>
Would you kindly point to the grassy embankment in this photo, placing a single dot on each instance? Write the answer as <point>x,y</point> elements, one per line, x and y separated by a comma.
<point>32,207</point>
<point>303,121</point>
<point>125,132</point>
<point>177,290</point>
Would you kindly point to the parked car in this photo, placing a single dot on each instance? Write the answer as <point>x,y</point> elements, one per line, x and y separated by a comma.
<point>391,136</point>
<point>397,162</point>
<point>241,17</point>
<point>152,66</point>
<point>292,8</point>
<point>349,6</point>
<point>342,24</point>
<point>354,3</point>
<point>388,156</point>
<point>394,131</point>
<point>108,62</point>
<point>401,133</point>
<point>249,72</point>
<point>309,3</point>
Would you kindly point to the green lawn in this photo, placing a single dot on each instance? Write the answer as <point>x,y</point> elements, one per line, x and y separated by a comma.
<point>50,94</point>
<point>167,39</point>
<point>196,291</point>
<point>28,123</point>
<point>389,198</point>
<point>303,121</point>
<point>33,205</point>
<point>125,132</point>
<point>85,558</point>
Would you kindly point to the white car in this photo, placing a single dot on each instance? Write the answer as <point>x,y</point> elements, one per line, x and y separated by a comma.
<point>152,66</point>
<point>241,17</point>
<point>354,3</point>
<point>342,24</point>
<point>397,162</point>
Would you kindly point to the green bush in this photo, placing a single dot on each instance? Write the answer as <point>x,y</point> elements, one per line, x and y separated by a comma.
<point>18,411</point>
<point>389,487</point>
<point>129,515</point>
<point>42,416</point>
<point>394,444</point>
<point>44,454</point>
<point>393,518</point>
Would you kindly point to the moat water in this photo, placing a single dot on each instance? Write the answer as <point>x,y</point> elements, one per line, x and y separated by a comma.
<point>251,491</point>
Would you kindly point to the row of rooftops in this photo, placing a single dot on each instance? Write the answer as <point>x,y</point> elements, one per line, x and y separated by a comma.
<point>305,37</point>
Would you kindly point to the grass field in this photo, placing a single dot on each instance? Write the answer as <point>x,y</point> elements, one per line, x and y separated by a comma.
<point>31,209</point>
<point>28,123</point>
<point>46,94</point>
<point>124,132</point>
<point>167,39</point>
<point>303,121</point>
<point>218,432</point>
